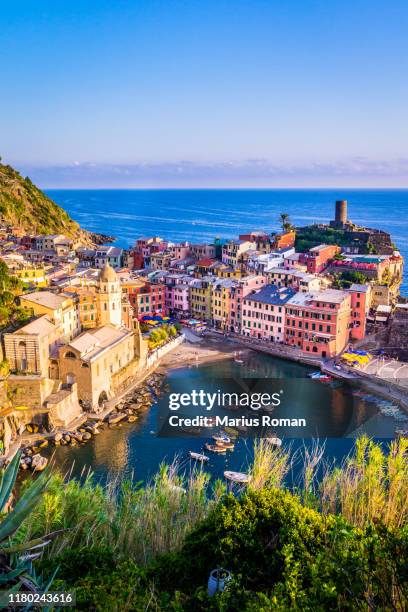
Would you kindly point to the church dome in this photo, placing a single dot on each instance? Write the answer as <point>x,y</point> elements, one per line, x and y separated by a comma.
<point>108,274</point>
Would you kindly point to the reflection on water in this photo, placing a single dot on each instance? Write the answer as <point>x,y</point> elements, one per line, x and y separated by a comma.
<point>135,449</point>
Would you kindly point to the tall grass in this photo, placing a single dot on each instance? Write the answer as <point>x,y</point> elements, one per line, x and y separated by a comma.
<point>133,521</point>
<point>371,485</point>
<point>269,467</point>
<point>141,522</point>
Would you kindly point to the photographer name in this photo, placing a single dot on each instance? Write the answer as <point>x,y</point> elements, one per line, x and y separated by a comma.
<point>225,421</point>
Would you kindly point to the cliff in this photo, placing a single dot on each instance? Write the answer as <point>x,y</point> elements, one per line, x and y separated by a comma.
<point>22,204</point>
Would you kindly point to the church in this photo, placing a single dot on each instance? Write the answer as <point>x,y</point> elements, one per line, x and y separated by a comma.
<point>79,348</point>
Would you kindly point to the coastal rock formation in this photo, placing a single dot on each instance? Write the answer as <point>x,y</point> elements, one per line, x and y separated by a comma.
<point>25,206</point>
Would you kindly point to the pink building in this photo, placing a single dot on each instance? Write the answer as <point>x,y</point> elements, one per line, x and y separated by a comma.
<point>239,290</point>
<point>263,313</point>
<point>180,250</point>
<point>177,294</point>
<point>360,306</point>
<point>318,322</point>
<point>318,257</point>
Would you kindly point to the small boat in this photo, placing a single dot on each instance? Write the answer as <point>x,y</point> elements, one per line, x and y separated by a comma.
<point>315,374</point>
<point>227,445</point>
<point>239,477</point>
<point>215,449</point>
<point>199,456</point>
<point>274,441</point>
<point>401,433</point>
<point>239,361</point>
<point>221,438</point>
<point>321,376</point>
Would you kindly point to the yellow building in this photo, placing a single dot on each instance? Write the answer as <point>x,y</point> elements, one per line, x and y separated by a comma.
<point>221,302</point>
<point>200,298</point>
<point>99,303</point>
<point>93,359</point>
<point>32,275</point>
<point>61,309</point>
<point>222,270</point>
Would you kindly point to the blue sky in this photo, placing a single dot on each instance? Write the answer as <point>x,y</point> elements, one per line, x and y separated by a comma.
<point>205,93</point>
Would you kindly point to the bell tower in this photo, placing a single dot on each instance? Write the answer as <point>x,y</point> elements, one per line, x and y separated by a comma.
<point>110,297</point>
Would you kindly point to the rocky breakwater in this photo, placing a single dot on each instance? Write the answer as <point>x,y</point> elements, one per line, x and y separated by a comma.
<point>128,409</point>
<point>137,401</point>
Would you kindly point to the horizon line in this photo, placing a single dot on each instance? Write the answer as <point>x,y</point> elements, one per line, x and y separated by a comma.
<point>227,188</point>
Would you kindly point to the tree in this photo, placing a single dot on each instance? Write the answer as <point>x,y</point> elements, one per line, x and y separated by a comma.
<point>285,222</point>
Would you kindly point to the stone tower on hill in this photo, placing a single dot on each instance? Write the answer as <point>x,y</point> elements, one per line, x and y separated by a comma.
<point>110,297</point>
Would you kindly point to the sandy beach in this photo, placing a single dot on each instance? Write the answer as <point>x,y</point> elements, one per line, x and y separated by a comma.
<point>196,350</point>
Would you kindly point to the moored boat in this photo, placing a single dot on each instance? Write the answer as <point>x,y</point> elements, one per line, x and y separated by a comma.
<point>239,477</point>
<point>221,438</point>
<point>199,456</point>
<point>214,448</point>
<point>227,445</point>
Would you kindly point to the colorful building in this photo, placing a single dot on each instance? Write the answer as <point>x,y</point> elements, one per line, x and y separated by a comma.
<point>233,250</point>
<point>318,257</point>
<point>318,322</point>
<point>146,298</point>
<point>360,307</point>
<point>263,314</point>
<point>200,298</point>
<point>61,309</point>
<point>32,275</point>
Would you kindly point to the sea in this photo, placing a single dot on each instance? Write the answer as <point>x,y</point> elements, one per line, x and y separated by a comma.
<point>200,215</point>
<point>137,449</point>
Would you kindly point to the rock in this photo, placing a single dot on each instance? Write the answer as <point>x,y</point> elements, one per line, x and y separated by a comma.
<point>86,435</point>
<point>39,463</point>
<point>67,438</point>
<point>132,418</point>
<point>58,437</point>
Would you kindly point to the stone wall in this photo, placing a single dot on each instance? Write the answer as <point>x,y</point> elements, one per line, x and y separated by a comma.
<point>163,350</point>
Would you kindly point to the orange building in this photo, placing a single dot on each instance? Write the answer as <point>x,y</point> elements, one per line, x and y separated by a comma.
<point>284,240</point>
<point>318,322</point>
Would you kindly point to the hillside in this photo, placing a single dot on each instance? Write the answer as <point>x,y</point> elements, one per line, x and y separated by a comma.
<point>24,205</point>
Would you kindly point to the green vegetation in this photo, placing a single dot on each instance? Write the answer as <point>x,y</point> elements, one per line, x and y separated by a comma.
<point>347,278</point>
<point>160,335</point>
<point>340,543</point>
<point>24,205</point>
<point>11,315</point>
<point>286,225</point>
<point>313,235</point>
<point>16,570</point>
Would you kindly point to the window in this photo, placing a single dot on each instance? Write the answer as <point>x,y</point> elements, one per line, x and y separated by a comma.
<point>70,355</point>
